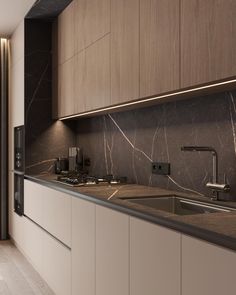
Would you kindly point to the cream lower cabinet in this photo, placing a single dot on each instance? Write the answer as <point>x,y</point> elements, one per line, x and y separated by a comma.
<point>49,208</point>
<point>83,247</point>
<point>48,256</point>
<point>154,259</point>
<point>56,265</point>
<point>207,269</point>
<point>112,252</point>
<point>33,244</point>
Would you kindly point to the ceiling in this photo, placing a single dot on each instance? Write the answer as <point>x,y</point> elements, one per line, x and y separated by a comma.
<point>11,13</point>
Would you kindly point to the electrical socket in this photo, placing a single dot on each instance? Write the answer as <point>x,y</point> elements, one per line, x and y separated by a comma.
<point>160,168</point>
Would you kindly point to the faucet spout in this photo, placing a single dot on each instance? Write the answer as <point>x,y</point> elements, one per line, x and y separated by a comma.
<point>215,186</point>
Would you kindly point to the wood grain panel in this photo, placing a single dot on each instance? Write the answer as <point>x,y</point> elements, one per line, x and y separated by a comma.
<point>80,82</point>
<point>98,74</point>
<point>124,50</point>
<point>66,101</point>
<point>80,24</point>
<point>66,33</point>
<point>92,21</point>
<point>159,46</point>
<point>208,44</point>
<point>97,20</point>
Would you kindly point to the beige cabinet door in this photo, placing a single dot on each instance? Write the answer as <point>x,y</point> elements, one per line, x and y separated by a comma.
<point>33,245</point>
<point>124,50</point>
<point>98,74</point>
<point>50,209</point>
<point>57,214</point>
<point>154,259</point>
<point>207,269</point>
<point>33,201</point>
<point>208,45</point>
<point>159,46</point>
<point>112,252</point>
<point>56,268</point>
<point>83,247</point>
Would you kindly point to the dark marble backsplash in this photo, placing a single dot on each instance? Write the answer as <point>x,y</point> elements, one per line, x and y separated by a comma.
<point>126,143</point>
<point>45,139</point>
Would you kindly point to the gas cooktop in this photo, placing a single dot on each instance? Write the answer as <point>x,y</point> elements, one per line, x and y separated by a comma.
<point>78,179</point>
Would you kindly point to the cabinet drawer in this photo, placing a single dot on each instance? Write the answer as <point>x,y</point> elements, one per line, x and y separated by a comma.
<point>50,209</point>
<point>56,268</point>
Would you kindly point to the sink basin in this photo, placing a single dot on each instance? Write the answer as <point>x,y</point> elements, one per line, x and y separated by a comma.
<point>178,205</point>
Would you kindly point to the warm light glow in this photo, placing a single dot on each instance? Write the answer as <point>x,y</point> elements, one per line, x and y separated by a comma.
<point>147,100</point>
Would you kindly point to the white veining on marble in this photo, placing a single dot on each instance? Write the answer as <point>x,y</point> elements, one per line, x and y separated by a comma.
<point>169,178</point>
<point>36,90</point>
<point>40,163</point>
<point>110,147</point>
<point>105,144</point>
<point>182,187</point>
<point>133,158</point>
<point>152,150</point>
<point>231,119</point>
<point>127,139</point>
<point>113,194</point>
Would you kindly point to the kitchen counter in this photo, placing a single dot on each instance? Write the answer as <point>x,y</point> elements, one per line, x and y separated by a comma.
<point>217,228</point>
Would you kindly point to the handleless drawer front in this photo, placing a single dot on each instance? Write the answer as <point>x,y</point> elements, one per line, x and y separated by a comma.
<point>112,252</point>
<point>50,209</point>
<point>207,269</point>
<point>33,201</point>
<point>56,263</point>
<point>154,259</point>
<point>57,215</point>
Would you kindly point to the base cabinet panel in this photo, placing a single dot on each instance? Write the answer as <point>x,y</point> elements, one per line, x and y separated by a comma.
<point>83,247</point>
<point>56,268</point>
<point>33,245</point>
<point>112,252</point>
<point>50,209</point>
<point>207,269</point>
<point>154,259</point>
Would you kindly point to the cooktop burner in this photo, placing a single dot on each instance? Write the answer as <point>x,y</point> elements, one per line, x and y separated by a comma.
<point>87,180</point>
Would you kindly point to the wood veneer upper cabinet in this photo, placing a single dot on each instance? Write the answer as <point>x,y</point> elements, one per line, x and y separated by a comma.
<point>159,46</point>
<point>66,88</point>
<point>80,82</point>
<point>92,21</point>
<point>208,45</point>
<point>97,20</point>
<point>97,84</point>
<point>124,50</point>
<point>66,33</point>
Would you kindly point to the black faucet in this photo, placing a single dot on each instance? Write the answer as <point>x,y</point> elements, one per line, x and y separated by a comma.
<point>214,185</point>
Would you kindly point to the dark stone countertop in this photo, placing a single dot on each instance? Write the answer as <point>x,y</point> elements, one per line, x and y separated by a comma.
<point>216,228</point>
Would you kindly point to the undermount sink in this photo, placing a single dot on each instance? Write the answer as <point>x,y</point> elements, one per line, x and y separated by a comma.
<point>178,205</point>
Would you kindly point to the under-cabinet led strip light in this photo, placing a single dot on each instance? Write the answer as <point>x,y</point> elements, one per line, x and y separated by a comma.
<point>146,100</point>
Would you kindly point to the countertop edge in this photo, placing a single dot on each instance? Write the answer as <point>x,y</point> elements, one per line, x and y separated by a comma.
<point>184,228</point>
